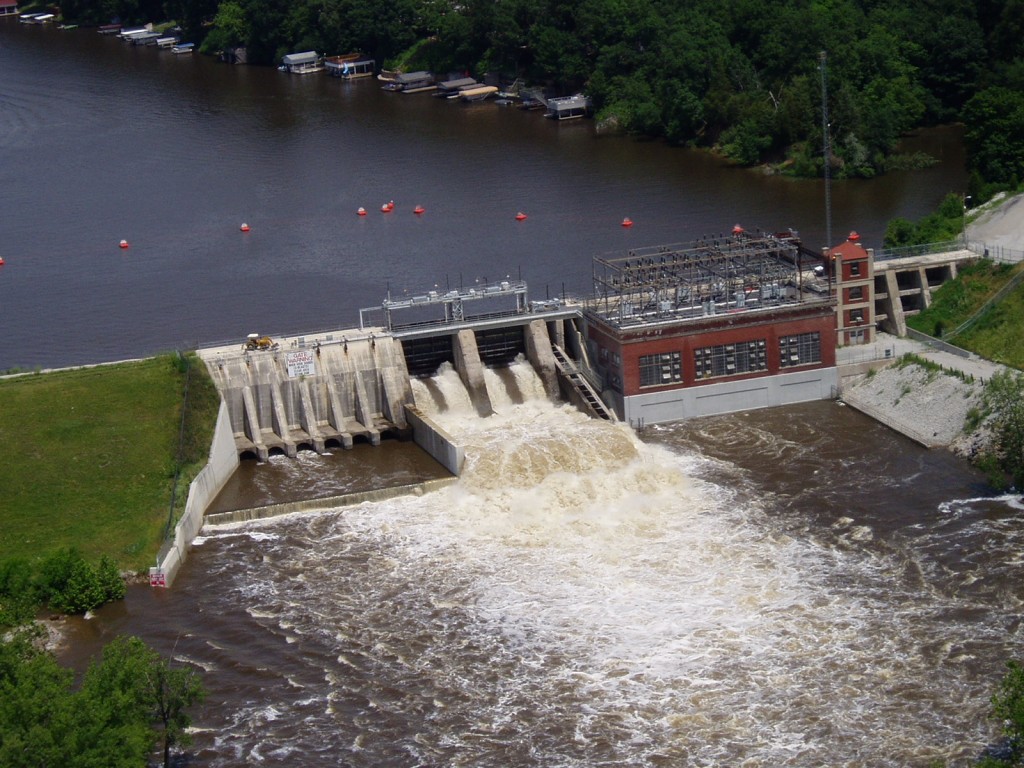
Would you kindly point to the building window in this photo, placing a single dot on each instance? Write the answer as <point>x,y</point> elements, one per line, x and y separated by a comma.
<point>731,359</point>
<point>856,293</point>
<point>856,315</point>
<point>800,350</point>
<point>855,268</point>
<point>657,370</point>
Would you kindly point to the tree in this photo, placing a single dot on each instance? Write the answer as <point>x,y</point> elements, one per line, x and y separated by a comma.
<point>172,690</point>
<point>107,723</point>
<point>1008,708</point>
<point>1004,399</point>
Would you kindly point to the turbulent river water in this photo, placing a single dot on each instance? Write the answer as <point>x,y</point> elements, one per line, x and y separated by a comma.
<point>791,587</point>
<point>759,589</point>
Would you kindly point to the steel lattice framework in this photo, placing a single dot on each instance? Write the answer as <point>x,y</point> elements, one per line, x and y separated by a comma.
<point>739,271</point>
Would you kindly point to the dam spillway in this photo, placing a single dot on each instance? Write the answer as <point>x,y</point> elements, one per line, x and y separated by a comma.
<point>332,389</point>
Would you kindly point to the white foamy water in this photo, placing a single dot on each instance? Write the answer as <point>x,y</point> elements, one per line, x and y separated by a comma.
<point>580,599</point>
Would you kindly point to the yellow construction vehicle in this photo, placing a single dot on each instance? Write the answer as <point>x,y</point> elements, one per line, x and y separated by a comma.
<point>255,341</point>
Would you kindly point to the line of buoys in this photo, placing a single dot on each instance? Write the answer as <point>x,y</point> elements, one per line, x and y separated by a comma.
<point>244,227</point>
<point>418,210</point>
<point>123,244</point>
<point>361,211</point>
<point>627,222</point>
<point>520,216</point>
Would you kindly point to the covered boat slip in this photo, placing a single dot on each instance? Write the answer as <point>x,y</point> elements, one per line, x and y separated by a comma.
<point>302,63</point>
<point>412,82</point>
<point>351,65</point>
<point>449,89</point>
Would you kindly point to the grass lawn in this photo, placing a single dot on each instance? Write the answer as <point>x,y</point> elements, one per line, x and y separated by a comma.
<point>89,460</point>
<point>999,334</point>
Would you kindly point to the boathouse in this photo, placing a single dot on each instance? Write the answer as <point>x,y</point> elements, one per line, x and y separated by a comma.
<point>719,325</point>
<point>301,63</point>
<point>412,82</point>
<point>451,88</point>
<point>349,66</point>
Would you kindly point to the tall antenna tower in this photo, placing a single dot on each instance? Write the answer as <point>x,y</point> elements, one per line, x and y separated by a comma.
<point>826,150</point>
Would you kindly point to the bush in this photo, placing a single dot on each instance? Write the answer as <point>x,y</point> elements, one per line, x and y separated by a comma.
<point>69,584</point>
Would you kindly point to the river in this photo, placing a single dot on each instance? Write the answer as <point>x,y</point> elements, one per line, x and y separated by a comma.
<point>101,141</point>
<point>788,587</point>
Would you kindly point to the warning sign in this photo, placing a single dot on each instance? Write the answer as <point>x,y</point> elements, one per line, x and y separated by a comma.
<point>300,364</point>
<point>157,577</point>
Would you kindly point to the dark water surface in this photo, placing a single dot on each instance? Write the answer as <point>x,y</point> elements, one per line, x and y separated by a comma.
<point>102,141</point>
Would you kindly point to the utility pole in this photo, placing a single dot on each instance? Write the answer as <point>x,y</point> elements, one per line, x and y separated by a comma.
<point>826,150</point>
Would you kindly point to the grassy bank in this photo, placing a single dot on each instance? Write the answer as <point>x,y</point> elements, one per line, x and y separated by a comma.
<point>999,334</point>
<point>91,456</point>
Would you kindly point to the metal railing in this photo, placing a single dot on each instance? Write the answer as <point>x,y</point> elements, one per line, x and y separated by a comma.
<point>909,251</point>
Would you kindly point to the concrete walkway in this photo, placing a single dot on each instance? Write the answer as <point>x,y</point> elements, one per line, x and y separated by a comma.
<point>893,347</point>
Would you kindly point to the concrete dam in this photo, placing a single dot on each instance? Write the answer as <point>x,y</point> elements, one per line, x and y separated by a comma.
<point>332,389</point>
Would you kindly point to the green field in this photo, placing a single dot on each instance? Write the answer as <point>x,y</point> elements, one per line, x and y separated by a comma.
<point>90,456</point>
<point>999,334</point>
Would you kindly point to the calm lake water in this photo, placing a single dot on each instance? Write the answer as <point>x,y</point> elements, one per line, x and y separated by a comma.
<point>102,141</point>
<point>789,587</point>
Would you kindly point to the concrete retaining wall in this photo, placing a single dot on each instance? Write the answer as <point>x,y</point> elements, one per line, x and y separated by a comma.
<point>732,396</point>
<point>208,483</point>
<point>318,505</point>
<point>435,441</point>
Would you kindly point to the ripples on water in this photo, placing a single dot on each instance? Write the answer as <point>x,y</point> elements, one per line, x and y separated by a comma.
<point>582,598</point>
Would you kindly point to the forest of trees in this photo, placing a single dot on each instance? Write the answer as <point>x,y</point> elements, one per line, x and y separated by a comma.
<point>740,76</point>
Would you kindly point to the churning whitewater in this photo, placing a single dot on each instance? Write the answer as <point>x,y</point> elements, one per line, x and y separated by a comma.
<point>581,598</point>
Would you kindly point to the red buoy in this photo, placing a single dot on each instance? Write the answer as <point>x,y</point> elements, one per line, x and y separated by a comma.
<point>1,261</point>
<point>418,209</point>
<point>386,208</point>
<point>361,211</point>
<point>123,243</point>
<point>244,227</point>
<point>627,222</point>
<point>520,216</point>
<point>854,237</point>
<point>737,230</point>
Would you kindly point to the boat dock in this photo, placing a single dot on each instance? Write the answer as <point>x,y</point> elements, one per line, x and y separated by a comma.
<point>349,66</point>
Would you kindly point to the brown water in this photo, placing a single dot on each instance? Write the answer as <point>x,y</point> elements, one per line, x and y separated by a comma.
<point>102,141</point>
<point>786,587</point>
<point>789,587</point>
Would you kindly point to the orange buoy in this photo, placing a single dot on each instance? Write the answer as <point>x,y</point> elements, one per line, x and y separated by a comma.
<point>418,209</point>
<point>244,227</point>
<point>627,222</point>
<point>361,211</point>
<point>386,208</point>
<point>520,216</point>
<point>123,243</point>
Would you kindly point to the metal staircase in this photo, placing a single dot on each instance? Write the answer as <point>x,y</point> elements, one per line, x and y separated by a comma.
<point>574,376</point>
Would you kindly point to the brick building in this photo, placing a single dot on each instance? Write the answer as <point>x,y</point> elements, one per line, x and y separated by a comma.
<point>720,325</point>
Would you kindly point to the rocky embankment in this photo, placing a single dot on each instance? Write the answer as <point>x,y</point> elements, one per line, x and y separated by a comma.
<point>929,406</point>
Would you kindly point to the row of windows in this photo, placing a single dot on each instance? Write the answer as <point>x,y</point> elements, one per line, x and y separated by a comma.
<point>800,350</point>
<point>666,368</point>
<point>730,359</point>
